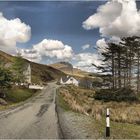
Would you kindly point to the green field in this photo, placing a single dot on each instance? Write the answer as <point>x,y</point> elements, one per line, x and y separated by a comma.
<point>16,94</point>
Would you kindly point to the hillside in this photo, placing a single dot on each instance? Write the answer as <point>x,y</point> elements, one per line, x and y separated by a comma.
<point>63,66</point>
<point>67,68</point>
<point>40,73</point>
<point>44,73</point>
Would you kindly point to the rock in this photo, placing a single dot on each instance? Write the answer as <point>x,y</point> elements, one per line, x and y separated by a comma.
<point>2,102</point>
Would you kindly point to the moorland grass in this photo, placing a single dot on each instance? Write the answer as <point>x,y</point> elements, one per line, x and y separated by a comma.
<point>83,101</point>
<point>120,128</point>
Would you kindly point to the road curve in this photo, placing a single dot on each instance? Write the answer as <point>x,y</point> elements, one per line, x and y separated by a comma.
<point>35,119</point>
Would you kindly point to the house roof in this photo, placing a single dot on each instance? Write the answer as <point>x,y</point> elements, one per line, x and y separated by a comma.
<point>66,78</point>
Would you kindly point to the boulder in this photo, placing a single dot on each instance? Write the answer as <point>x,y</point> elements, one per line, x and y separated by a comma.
<point>2,102</point>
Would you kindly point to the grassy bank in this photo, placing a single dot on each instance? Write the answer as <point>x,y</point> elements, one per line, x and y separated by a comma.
<point>125,117</point>
<point>16,94</point>
<point>117,130</point>
<point>82,100</point>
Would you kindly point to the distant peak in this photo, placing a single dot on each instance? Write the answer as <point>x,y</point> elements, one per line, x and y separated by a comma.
<point>66,63</point>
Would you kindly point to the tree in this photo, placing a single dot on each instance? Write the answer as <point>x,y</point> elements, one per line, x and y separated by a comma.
<point>85,82</point>
<point>112,64</point>
<point>5,80</point>
<point>122,62</point>
<point>18,68</point>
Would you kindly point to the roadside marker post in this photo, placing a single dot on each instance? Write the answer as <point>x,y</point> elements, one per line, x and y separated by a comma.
<point>107,123</point>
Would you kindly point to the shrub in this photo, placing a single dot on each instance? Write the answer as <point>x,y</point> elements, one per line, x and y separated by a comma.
<point>123,94</point>
<point>18,94</point>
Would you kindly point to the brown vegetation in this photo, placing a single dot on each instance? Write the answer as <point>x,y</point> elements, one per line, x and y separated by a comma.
<point>82,100</point>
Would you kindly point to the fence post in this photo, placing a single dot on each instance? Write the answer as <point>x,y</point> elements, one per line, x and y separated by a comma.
<point>107,123</point>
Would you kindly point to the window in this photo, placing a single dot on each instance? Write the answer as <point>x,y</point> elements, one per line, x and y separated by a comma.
<point>71,79</point>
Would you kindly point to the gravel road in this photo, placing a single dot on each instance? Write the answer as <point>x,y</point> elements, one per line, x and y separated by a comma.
<point>35,119</point>
<point>76,125</point>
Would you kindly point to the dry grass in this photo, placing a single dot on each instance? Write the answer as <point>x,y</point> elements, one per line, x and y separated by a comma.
<point>82,100</point>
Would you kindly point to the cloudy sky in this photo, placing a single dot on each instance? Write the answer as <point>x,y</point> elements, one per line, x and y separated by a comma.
<point>48,32</point>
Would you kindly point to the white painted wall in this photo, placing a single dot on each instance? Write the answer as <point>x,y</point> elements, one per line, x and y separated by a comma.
<point>35,87</point>
<point>61,81</point>
<point>71,80</point>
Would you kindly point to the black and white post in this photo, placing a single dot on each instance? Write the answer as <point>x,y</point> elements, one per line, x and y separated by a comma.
<point>107,123</point>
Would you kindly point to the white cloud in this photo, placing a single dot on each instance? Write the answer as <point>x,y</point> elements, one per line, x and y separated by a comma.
<point>49,45</point>
<point>101,45</point>
<point>86,46</point>
<point>50,49</point>
<point>58,51</point>
<point>84,61</point>
<point>14,31</point>
<point>53,48</point>
<point>116,18</point>
<point>11,32</point>
<point>30,54</point>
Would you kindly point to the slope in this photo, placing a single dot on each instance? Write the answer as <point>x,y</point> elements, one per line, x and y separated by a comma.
<point>40,73</point>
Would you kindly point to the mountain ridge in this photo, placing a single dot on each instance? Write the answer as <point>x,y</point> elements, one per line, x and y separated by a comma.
<point>68,68</point>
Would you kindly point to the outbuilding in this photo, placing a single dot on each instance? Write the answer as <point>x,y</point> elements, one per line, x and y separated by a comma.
<point>69,80</point>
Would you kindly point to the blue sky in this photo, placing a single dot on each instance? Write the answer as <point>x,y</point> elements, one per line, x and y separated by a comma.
<point>59,24</point>
<point>55,20</point>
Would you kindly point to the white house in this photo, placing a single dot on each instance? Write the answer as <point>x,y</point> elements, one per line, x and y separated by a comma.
<point>69,80</point>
